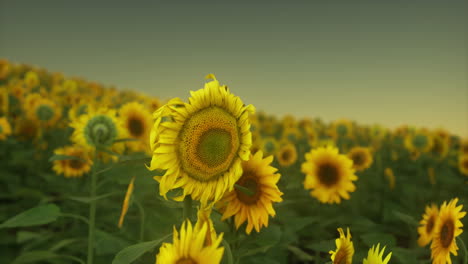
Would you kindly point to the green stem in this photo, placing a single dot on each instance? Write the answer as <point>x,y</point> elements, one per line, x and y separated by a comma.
<point>92,212</point>
<point>142,220</point>
<point>465,251</point>
<point>187,213</point>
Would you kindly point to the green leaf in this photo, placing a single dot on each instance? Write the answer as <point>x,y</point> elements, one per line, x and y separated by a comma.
<point>406,218</point>
<point>108,244</point>
<point>34,257</point>
<point>64,157</point>
<point>63,243</point>
<point>39,215</point>
<point>23,236</point>
<point>133,252</point>
<point>90,199</point>
<point>322,246</point>
<point>229,257</point>
<point>300,254</point>
<point>268,236</point>
<point>375,238</point>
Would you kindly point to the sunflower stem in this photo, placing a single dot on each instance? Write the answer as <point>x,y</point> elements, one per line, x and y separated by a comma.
<point>465,251</point>
<point>187,212</point>
<point>92,212</point>
<point>142,220</point>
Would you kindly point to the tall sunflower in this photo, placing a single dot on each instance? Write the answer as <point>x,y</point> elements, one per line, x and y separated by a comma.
<point>361,157</point>
<point>329,174</point>
<point>201,144</point>
<point>190,247</point>
<point>45,112</point>
<point>99,129</point>
<point>260,179</point>
<point>419,141</point>
<point>5,128</point>
<point>73,167</point>
<point>374,256</point>
<point>137,120</point>
<point>448,227</point>
<point>344,249</point>
<point>427,224</point>
<point>287,155</point>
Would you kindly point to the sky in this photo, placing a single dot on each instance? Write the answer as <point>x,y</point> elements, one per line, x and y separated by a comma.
<point>386,62</point>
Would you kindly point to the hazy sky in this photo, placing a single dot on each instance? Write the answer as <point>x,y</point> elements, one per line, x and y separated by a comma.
<point>387,62</point>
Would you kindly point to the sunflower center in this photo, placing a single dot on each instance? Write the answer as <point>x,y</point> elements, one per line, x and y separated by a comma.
<point>286,155</point>
<point>430,225</point>
<point>358,158</point>
<point>465,163</point>
<point>437,148</point>
<point>269,146</point>
<point>447,233</point>
<point>44,113</point>
<point>209,142</point>
<point>420,141</point>
<point>186,261</point>
<point>340,257</point>
<point>135,127</point>
<point>328,174</point>
<point>247,181</point>
<point>76,164</point>
<point>100,131</point>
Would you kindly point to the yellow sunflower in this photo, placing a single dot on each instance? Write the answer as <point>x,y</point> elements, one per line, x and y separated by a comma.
<point>260,179</point>
<point>361,157</point>
<point>447,228</point>
<point>419,141</point>
<point>31,79</point>
<point>287,155</point>
<point>341,128</point>
<point>137,121</point>
<point>388,172</point>
<point>427,224</point>
<point>269,145</point>
<point>375,256</point>
<point>74,167</point>
<point>464,147</point>
<point>45,112</point>
<point>4,100</point>
<point>463,164</point>
<point>99,129</point>
<point>4,69</point>
<point>344,249</point>
<point>190,247</point>
<point>5,128</point>
<point>329,174</point>
<point>201,144</point>
<point>440,146</point>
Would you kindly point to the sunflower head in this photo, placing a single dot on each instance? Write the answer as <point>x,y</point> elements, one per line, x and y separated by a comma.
<point>464,147</point>
<point>190,246</point>
<point>361,157</point>
<point>341,128</point>
<point>419,141</point>
<point>201,144</point>
<point>31,79</point>
<point>440,146</point>
<point>4,100</point>
<point>4,69</point>
<point>73,167</point>
<point>287,155</point>
<point>5,128</point>
<point>375,256</point>
<point>390,176</point>
<point>344,249</point>
<point>329,174</point>
<point>45,112</point>
<point>427,224</point>
<point>254,206</point>
<point>137,121</point>
<point>463,164</point>
<point>447,228</point>
<point>269,146</point>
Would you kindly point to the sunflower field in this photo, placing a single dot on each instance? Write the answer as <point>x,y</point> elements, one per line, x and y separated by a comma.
<point>93,174</point>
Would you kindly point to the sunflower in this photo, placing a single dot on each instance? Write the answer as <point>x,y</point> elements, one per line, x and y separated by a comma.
<point>447,228</point>
<point>201,144</point>
<point>137,121</point>
<point>191,247</point>
<point>287,155</point>
<point>388,172</point>
<point>73,167</point>
<point>440,146</point>
<point>375,256</point>
<point>260,179</point>
<point>344,249</point>
<point>329,174</point>
<point>311,135</point>
<point>4,100</point>
<point>31,79</point>
<point>45,112</point>
<point>361,157</point>
<point>419,141</point>
<point>427,224</point>
<point>4,69</point>
<point>26,129</point>
<point>99,129</point>
<point>464,147</point>
<point>463,164</point>
<point>269,146</point>
<point>341,128</point>
<point>5,128</point>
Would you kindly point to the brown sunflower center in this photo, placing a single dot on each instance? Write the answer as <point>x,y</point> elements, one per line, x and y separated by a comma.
<point>76,164</point>
<point>286,155</point>
<point>447,233</point>
<point>328,174</point>
<point>186,261</point>
<point>358,158</point>
<point>209,142</point>
<point>340,257</point>
<point>465,164</point>
<point>135,127</point>
<point>249,182</point>
<point>430,224</point>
